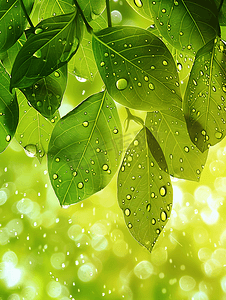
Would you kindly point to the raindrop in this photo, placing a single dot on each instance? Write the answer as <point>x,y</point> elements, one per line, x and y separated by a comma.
<point>85,123</point>
<point>162,191</point>
<point>57,159</point>
<point>151,86</point>
<point>80,185</point>
<point>163,216</point>
<point>55,176</point>
<point>153,221</point>
<point>39,103</point>
<point>165,63</point>
<point>102,63</point>
<point>195,82</point>
<point>136,143</point>
<point>10,27</point>
<point>121,84</point>
<point>130,225</point>
<point>189,47</point>
<point>146,78</point>
<point>74,173</point>
<point>8,138</point>
<point>105,167</point>
<point>148,207</point>
<point>106,54</point>
<point>138,3</point>
<point>203,132</point>
<point>214,89</point>
<point>127,212</point>
<point>128,197</point>
<point>158,231</point>
<point>38,30</point>
<point>56,74</point>
<point>115,131</point>
<point>186,149</point>
<point>218,135</point>
<point>163,10</point>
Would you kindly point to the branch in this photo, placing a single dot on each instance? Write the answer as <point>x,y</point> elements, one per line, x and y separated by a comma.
<point>88,27</point>
<point>108,13</point>
<point>26,15</point>
<point>130,117</point>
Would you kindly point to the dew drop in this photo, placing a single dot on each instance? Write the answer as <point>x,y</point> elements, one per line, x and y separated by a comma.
<point>80,185</point>
<point>146,78</point>
<point>165,63</point>
<point>148,207</point>
<point>38,30</point>
<point>105,167</point>
<point>224,88</point>
<point>127,212</point>
<point>151,86</point>
<point>189,47</point>
<point>121,84</point>
<point>130,225</point>
<point>115,131</point>
<point>138,3</point>
<point>158,231</point>
<point>186,149</point>
<point>163,10</point>
<point>136,143</point>
<point>153,221</point>
<point>56,74</point>
<point>39,103</point>
<point>162,191</point>
<point>10,27</point>
<point>55,176</point>
<point>102,63</point>
<point>163,216</point>
<point>128,197</point>
<point>218,135</point>
<point>85,123</point>
<point>122,168</point>
<point>195,82</point>
<point>74,173</point>
<point>57,159</point>
<point>203,132</point>
<point>8,138</point>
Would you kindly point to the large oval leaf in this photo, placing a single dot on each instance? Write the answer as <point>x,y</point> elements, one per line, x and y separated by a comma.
<point>84,150</point>
<point>92,8</point>
<point>50,8</point>
<point>137,68</point>
<point>9,110</point>
<point>55,42</point>
<point>183,158</point>
<point>186,24</point>
<point>12,21</point>
<point>144,190</point>
<point>33,131</point>
<point>47,93</point>
<point>204,104</point>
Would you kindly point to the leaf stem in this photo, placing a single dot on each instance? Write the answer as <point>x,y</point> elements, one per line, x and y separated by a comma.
<point>108,13</point>
<point>26,15</point>
<point>130,117</point>
<point>88,27</point>
<point>220,6</point>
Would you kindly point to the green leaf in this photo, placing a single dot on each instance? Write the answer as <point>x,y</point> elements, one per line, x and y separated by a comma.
<point>84,150</point>
<point>222,14</point>
<point>183,158</point>
<point>186,24</point>
<point>142,7</point>
<point>12,21</point>
<point>47,93</point>
<point>92,8</point>
<point>137,68</point>
<point>50,8</point>
<point>204,104</point>
<point>9,111</point>
<point>83,63</point>
<point>55,41</point>
<point>145,193</point>
<point>33,131</point>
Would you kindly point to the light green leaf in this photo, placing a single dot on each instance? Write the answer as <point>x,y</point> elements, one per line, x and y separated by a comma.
<point>83,63</point>
<point>183,158</point>
<point>142,7</point>
<point>186,24</point>
<point>50,8</point>
<point>9,110</point>
<point>47,93</point>
<point>84,150</point>
<point>92,8</point>
<point>137,68</point>
<point>12,21</point>
<point>54,43</point>
<point>204,104</point>
<point>144,189</point>
<point>33,131</point>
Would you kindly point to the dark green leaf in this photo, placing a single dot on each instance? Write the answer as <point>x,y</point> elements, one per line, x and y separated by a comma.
<point>186,24</point>
<point>33,131</point>
<point>12,21</point>
<point>137,68</point>
<point>84,150</point>
<point>204,105</point>
<point>222,14</point>
<point>9,111</point>
<point>144,190</point>
<point>51,8</point>
<point>92,8</point>
<point>169,128</point>
<point>142,7</point>
<point>47,93</point>
<point>54,43</point>
<point>83,63</point>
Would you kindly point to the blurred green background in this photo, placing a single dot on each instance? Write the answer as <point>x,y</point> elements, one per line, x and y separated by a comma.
<point>85,251</point>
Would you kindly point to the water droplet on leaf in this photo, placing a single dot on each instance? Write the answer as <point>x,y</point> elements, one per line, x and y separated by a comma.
<point>121,84</point>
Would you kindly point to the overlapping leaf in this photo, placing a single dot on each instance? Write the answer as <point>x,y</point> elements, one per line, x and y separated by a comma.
<point>9,111</point>
<point>137,68</point>
<point>222,14</point>
<point>183,158</point>
<point>33,131</point>
<point>84,150</point>
<point>83,63</point>
<point>186,24</point>
<point>47,93</point>
<point>205,104</point>
<point>54,43</point>
<point>144,189</point>
<point>12,21</point>
<point>142,7</point>
<point>92,8</point>
<point>50,8</point>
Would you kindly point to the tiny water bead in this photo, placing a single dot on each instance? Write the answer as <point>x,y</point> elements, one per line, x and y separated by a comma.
<point>115,131</point>
<point>218,135</point>
<point>151,86</point>
<point>85,123</point>
<point>163,216</point>
<point>55,176</point>
<point>8,138</point>
<point>186,149</point>
<point>80,185</point>
<point>105,167</point>
<point>162,191</point>
<point>148,207</point>
<point>102,63</point>
<point>39,103</point>
<point>121,84</point>
<point>128,197</point>
<point>57,159</point>
<point>165,63</point>
<point>127,212</point>
<point>130,225</point>
<point>153,221</point>
<point>74,173</point>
